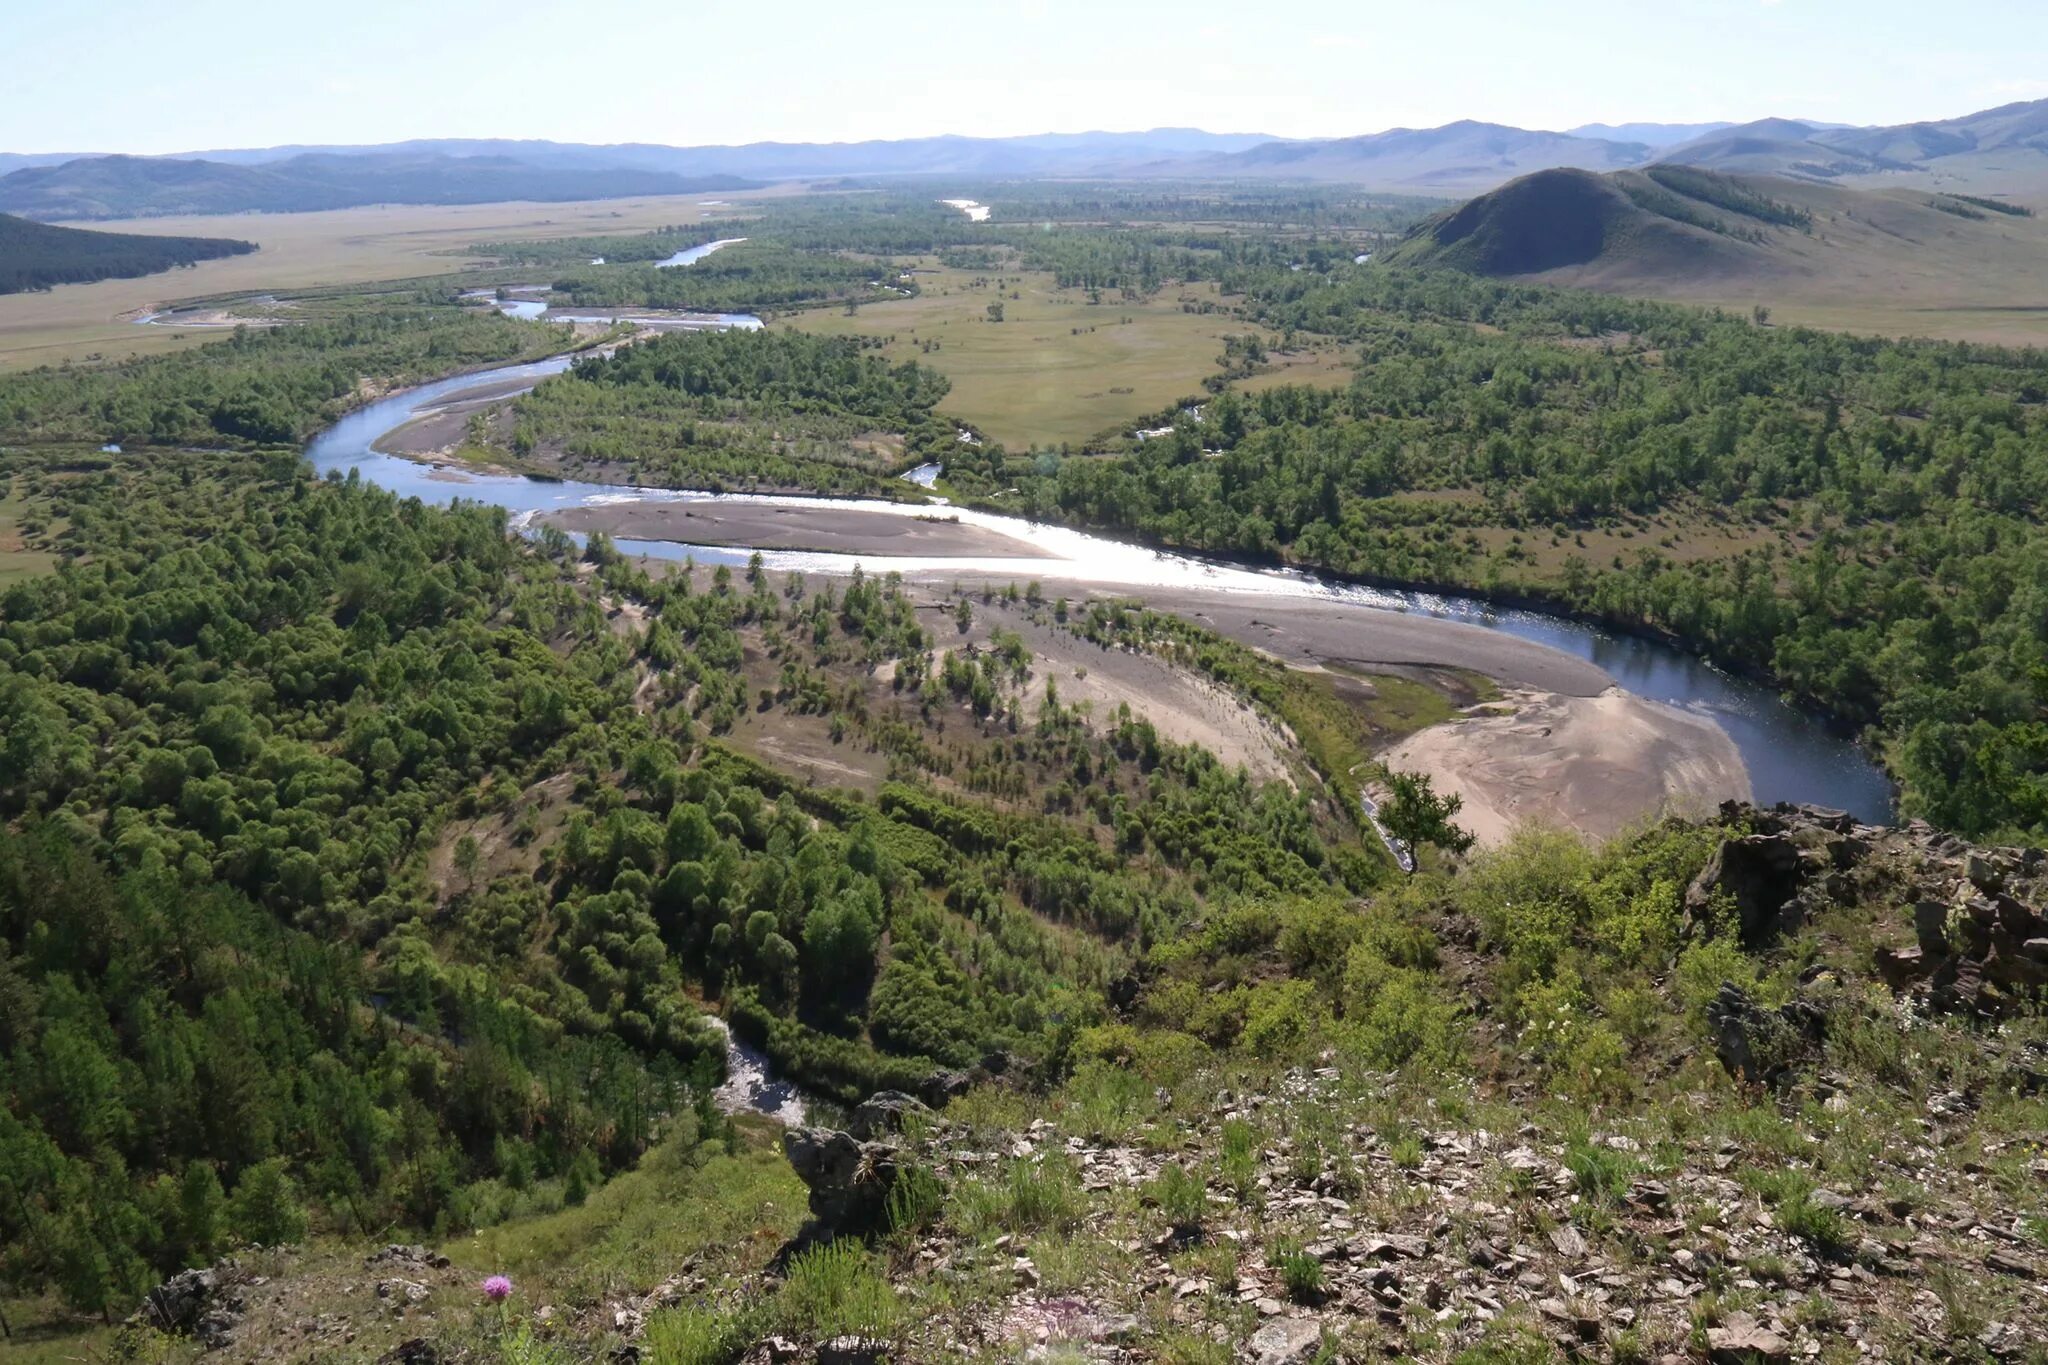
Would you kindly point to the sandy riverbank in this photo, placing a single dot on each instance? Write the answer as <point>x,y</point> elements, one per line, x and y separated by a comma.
<point>824,528</point>
<point>1311,631</point>
<point>440,429</point>
<point>1595,765</point>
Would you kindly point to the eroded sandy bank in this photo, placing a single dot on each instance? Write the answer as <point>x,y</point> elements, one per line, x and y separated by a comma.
<point>1595,765</point>
<point>833,530</point>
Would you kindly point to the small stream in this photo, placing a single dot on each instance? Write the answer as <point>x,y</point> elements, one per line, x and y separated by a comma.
<point>751,1085</point>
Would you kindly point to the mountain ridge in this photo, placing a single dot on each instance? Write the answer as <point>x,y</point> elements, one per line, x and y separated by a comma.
<point>2000,151</point>
<point>127,187</point>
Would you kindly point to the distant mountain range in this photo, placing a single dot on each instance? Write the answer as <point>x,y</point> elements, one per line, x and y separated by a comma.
<point>1995,151</point>
<point>2002,151</point>
<point>1455,156</point>
<point>137,187</point>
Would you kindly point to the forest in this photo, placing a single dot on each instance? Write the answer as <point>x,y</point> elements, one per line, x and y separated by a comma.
<point>735,410</point>
<point>368,870</point>
<point>39,256</point>
<point>1871,504</point>
<point>360,869</point>
<point>262,386</point>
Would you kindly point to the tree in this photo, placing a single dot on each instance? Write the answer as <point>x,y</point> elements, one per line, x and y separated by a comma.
<point>265,1208</point>
<point>202,1214</point>
<point>1416,815</point>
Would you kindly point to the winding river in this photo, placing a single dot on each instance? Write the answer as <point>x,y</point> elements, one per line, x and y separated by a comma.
<point>1791,755</point>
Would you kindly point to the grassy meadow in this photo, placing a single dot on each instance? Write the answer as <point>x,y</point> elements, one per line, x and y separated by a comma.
<point>90,322</point>
<point>1057,368</point>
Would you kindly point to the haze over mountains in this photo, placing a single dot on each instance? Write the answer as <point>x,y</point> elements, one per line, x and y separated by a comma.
<point>2002,151</point>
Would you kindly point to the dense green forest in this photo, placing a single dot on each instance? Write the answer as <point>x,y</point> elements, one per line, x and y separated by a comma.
<point>1870,506</point>
<point>262,386</point>
<point>358,859</point>
<point>38,256</point>
<point>738,409</point>
<point>748,276</point>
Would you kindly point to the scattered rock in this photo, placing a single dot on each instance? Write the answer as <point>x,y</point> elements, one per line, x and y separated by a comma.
<point>1742,1340</point>
<point>1758,1045</point>
<point>1286,1341</point>
<point>883,1113</point>
<point>853,1351</point>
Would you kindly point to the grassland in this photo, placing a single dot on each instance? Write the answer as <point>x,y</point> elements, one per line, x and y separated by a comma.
<point>80,322</point>
<point>1057,369</point>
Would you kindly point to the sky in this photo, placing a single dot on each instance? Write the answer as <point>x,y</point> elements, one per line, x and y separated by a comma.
<point>154,76</point>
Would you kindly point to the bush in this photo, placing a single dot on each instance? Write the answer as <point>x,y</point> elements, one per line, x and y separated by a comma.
<point>1239,1161</point>
<point>915,1199</point>
<point>1180,1196</point>
<point>1299,1271</point>
<point>1395,1015</point>
<point>695,1335</point>
<point>1279,1018</point>
<point>836,1291</point>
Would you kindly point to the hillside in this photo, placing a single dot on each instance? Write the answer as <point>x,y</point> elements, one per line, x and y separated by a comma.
<point>1891,259</point>
<point>2002,151</point>
<point>1573,220</point>
<point>1458,156</point>
<point>139,187</point>
<point>37,255</point>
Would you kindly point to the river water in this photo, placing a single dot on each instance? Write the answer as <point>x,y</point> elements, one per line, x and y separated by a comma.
<point>693,254</point>
<point>1791,755</point>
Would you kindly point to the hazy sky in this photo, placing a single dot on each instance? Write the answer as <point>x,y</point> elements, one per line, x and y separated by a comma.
<point>173,75</point>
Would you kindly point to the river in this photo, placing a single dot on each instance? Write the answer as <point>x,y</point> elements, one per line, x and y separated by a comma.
<point>1790,755</point>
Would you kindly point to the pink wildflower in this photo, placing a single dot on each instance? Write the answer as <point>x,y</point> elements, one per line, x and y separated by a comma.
<point>497,1288</point>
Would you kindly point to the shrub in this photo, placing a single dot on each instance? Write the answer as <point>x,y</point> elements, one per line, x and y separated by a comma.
<point>1180,1196</point>
<point>1299,1271</point>
<point>1395,1015</point>
<point>836,1291</point>
<point>1239,1161</point>
<point>695,1335</point>
<point>1279,1018</point>
<point>915,1199</point>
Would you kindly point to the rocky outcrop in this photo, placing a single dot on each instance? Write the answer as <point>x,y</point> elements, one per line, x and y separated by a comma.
<point>1982,943</point>
<point>1774,876</point>
<point>1763,1046</point>
<point>884,1112</point>
<point>849,1179</point>
<point>202,1304</point>
<point>1980,939</point>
